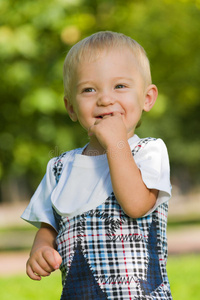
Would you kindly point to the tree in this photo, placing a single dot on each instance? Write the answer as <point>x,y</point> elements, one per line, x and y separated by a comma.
<point>34,38</point>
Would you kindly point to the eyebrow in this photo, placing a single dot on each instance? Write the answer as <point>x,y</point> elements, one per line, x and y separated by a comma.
<point>84,83</point>
<point>88,82</point>
<point>123,78</point>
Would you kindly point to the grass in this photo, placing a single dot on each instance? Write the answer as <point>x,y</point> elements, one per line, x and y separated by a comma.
<point>183,272</point>
<point>23,288</point>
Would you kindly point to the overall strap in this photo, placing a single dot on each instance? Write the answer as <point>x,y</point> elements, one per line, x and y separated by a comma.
<point>141,144</point>
<point>58,166</point>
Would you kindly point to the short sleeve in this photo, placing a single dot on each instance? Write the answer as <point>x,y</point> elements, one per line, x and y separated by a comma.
<point>153,162</point>
<point>40,207</point>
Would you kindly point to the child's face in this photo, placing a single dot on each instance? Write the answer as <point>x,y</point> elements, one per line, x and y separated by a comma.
<point>110,83</point>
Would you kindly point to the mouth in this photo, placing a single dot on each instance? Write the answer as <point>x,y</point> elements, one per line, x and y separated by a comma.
<point>104,115</point>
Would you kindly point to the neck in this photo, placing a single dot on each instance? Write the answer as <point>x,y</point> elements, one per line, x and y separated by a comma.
<point>94,148</point>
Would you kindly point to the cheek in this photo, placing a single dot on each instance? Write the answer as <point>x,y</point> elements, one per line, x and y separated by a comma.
<point>132,105</point>
<point>84,114</point>
<point>82,110</point>
<point>134,111</point>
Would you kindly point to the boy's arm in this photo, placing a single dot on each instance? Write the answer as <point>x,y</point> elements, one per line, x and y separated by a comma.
<point>43,257</point>
<point>131,192</point>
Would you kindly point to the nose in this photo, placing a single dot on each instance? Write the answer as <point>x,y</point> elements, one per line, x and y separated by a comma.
<point>105,100</point>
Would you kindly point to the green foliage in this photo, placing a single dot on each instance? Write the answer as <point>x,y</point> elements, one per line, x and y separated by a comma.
<point>34,39</point>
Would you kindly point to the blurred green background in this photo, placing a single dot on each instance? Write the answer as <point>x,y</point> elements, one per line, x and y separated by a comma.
<point>34,39</point>
<point>34,127</point>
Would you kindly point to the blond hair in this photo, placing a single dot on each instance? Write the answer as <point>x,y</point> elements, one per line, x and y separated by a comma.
<point>92,46</point>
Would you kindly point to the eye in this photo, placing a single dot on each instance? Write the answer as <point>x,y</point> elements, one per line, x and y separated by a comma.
<point>120,86</point>
<point>88,90</point>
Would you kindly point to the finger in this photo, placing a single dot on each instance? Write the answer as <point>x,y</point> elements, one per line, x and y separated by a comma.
<point>58,259</point>
<point>33,275</point>
<point>38,266</point>
<point>41,268</point>
<point>107,116</point>
<point>116,113</point>
<point>52,259</point>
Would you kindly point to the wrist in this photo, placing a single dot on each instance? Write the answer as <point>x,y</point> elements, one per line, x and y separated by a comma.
<point>119,149</point>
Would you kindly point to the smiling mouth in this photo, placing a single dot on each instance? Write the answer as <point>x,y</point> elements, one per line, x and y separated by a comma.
<point>102,116</point>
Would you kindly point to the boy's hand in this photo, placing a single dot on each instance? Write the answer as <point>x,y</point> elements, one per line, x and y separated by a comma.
<point>110,130</point>
<point>42,262</point>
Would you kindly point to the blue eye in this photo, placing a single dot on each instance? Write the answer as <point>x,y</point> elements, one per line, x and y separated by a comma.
<point>120,86</point>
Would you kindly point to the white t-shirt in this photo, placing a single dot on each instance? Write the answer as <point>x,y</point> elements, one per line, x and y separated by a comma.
<point>85,182</point>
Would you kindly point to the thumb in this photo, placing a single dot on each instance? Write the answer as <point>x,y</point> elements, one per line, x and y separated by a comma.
<point>58,259</point>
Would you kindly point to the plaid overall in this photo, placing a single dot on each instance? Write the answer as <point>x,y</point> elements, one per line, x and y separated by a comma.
<point>108,255</point>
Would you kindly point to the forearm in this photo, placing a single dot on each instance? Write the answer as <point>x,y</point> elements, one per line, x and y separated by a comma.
<point>131,192</point>
<point>43,259</point>
<point>45,236</point>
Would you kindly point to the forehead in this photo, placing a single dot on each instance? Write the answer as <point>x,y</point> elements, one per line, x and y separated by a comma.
<point>93,54</point>
<point>108,66</point>
<point>118,58</point>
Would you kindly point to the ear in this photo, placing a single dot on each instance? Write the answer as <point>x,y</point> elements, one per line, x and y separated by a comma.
<point>150,97</point>
<point>70,110</point>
